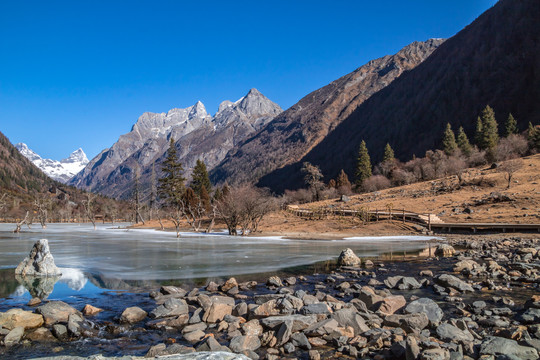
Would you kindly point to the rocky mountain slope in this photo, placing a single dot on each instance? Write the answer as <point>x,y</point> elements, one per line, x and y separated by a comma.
<point>17,173</point>
<point>495,60</point>
<point>197,135</point>
<point>291,135</point>
<point>62,170</point>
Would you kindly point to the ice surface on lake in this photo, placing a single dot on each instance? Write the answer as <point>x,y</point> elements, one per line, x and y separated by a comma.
<point>127,254</point>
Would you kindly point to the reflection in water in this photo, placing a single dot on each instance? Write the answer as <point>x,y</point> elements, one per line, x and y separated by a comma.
<point>41,287</point>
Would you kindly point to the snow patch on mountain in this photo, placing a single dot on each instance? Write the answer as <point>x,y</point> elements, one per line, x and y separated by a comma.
<point>62,170</point>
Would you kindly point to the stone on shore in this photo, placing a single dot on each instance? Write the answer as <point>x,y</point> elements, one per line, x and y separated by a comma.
<point>428,307</point>
<point>450,281</point>
<point>39,262</point>
<point>132,315</point>
<point>19,318</point>
<point>90,310</point>
<point>500,346</point>
<point>240,344</point>
<point>56,311</point>
<point>445,250</point>
<point>348,258</point>
<point>14,336</point>
<point>171,307</point>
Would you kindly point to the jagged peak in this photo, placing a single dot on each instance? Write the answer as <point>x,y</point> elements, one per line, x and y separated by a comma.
<point>198,110</point>
<point>253,92</point>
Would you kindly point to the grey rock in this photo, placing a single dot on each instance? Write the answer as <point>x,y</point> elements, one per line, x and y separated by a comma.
<point>349,317</point>
<point>14,336</point>
<point>194,336</point>
<point>412,350</point>
<point>274,281</point>
<point>501,346</point>
<point>408,322</point>
<point>447,281</point>
<point>435,354</point>
<point>531,316</point>
<point>300,340</point>
<point>171,307</point>
<point>445,250</point>
<point>56,311</point>
<point>449,332</point>
<point>284,333</point>
<point>209,344</point>
<point>60,331</point>
<point>39,262</point>
<point>318,308</point>
<point>428,307</point>
<point>240,344</point>
<point>300,322</point>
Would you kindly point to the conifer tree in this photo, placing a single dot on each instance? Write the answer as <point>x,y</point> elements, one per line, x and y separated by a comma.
<point>171,186</point>
<point>363,166</point>
<point>449,140</point>
<point>463,142</point>
<point>200,178</point>
<point>511,126</point>
<point>478,133</point>
<point>490,132</point>
<point>533,136</point>
<point>343,180</point>
<point>388,153</point>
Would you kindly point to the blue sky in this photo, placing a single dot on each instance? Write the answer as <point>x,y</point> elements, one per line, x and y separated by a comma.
<point>79,73</point>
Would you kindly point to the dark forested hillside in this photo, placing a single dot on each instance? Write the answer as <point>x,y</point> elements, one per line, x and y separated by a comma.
<point>292,134</point>
<point>495,61</point>
<point>17,173</point>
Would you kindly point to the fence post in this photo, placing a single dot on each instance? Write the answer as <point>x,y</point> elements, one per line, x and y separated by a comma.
<point>429,221</point>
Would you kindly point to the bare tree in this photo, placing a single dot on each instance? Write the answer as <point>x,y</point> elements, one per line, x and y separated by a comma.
<point>313,178</point>
<point>244,206</point>
<point>89,211</point>
<point>22,222</point>
<point>193,209</point>
<point>137,197</point>
<point>509,168</point>
<point>42,203</point>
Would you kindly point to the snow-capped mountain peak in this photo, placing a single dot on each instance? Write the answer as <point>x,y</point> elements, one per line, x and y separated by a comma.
<point>62,170</point>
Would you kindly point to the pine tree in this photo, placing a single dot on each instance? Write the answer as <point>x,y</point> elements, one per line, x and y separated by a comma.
<point>533,136</point>
<point>171,186</point>
<point>490,132</point>
<point>511,126</point>
<point>463,142</point>
<point>478,133</point>
<point>363,167</point>
<point>388,153</point>
<point>200,178</point>
<point>449,140</point>
<point>343,180</point>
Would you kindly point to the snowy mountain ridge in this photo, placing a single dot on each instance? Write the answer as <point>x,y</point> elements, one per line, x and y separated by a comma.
<point>62,170</point>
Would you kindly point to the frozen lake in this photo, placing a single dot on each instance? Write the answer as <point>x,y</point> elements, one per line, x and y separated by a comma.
<point>114,257</point>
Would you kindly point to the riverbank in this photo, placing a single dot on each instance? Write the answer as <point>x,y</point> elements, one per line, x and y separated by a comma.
<point>481,300</point>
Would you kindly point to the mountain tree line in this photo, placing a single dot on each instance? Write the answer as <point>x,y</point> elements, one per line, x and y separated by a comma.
<point>239,207</point>
<point>455,154</point>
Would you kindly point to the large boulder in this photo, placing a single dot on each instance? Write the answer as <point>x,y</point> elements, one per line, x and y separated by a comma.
<point>408,322</point>
<point>428,307</point>
<point>445,250</point>
<point>501,346</point>
<point>19,318</point>
<point>132,315</point>
<point>348,258</point>
<point>56,312</point>
<point>39,262</point>
<point>349,317</point>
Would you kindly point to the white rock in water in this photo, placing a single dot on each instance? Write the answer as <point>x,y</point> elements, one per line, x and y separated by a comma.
<point>348,258</point>
<point>39,262</point>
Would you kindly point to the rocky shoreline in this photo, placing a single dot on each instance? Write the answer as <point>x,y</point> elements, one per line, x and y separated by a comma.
<point>481,301</point>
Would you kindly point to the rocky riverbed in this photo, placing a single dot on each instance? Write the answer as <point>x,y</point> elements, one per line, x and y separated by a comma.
<point>479,298</point>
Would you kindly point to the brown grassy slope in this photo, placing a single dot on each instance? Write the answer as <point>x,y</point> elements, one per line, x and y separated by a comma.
<point>445,198</point>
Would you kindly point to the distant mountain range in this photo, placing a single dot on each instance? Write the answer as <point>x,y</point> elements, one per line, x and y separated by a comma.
<point>404,99</point>
<point>62,170</point>
<point>197,136</point>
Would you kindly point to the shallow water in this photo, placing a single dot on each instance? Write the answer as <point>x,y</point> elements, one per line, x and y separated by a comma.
<point>125,259</point>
